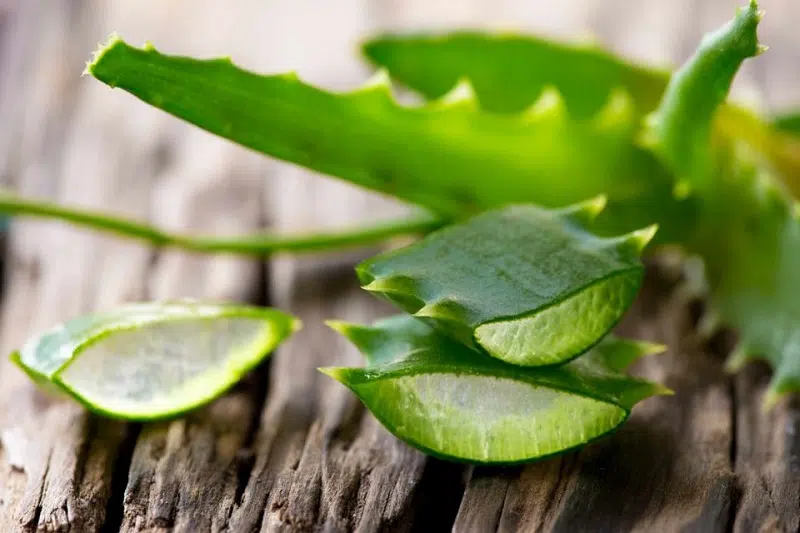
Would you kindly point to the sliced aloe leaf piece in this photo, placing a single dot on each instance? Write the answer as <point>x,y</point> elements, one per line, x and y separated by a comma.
<point>455,403</point>
<point>531,286</point>
<point>154,360</point>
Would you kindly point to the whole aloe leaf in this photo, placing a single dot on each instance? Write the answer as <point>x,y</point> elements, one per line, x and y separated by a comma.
<point>447,156</point>
<point>455,403</point>
<point>529,286</point>
<point>748,232</point>
<point>511,71</point>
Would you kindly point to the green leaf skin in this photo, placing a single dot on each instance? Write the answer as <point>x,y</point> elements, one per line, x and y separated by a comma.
<point>509,71</point>
<point>680,129</point>
<point>747,231</point>
<point>457,404</point>
<point>750,240</point>
<point>63,360</point>
<point>530,286</point>
<point>446,156</point>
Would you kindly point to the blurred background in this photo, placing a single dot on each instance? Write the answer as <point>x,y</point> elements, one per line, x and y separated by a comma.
<point>74,141</point>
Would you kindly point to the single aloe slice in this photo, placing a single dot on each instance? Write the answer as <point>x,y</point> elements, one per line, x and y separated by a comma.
<point>154,360</point>
<point>529,285</point>
<point>455,403</point>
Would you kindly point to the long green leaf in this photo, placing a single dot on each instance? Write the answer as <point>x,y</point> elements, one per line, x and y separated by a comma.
<point>748,231</point>
<point>529,286</point>
<point>511,71</point>
<point>447,156</point>
<point>457,404</point>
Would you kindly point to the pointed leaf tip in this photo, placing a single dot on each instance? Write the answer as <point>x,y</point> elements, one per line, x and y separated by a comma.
<point>619,110</point>
<point>586,211</point>
<point>379,83</point>
<point>462,95</point>
<point>339,326</point>
<point>550,104</point>
<point>642,237</point>
<point>336,372</point>
<point>738,358</point>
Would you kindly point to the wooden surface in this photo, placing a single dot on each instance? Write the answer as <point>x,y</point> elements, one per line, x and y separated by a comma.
<point>290,450</point>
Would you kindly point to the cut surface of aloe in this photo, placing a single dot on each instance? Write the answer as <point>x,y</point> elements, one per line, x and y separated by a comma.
<point>455,403</point>
<point>154,360</point>
<point>530,286</point>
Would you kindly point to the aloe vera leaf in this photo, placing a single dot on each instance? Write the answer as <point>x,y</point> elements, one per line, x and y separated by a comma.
<point>446,156</point>
<point>148,361</point>
<point>750,241</point>
<point>452,402</point>
<point>258,244</point>
<point>679,131</point>
<point>511,71</point>
<point>747,230</point>
<point>530,286</point>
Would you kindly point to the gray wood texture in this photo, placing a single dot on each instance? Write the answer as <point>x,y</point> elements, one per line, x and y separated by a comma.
<point>288,449</point>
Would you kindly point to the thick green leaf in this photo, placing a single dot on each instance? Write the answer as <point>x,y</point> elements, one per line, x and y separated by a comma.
<point>455,403</point>
<point>153,360</point>
<point>680,129</point>
<point>446,156</point>
<point>747,231</point>
<point>750,240</point>
<point>528,285</point>
<point>511,71</point>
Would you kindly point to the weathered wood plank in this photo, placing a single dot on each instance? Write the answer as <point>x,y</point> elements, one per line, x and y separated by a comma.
<point>179,466</point>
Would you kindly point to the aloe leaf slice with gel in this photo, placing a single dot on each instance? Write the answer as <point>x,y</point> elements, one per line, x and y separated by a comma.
<point>154,360</point>
<point>457,404</point>
<point>528,285</point>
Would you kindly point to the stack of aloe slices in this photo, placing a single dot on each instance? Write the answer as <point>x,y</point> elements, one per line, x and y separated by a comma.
<point>504,357</point>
